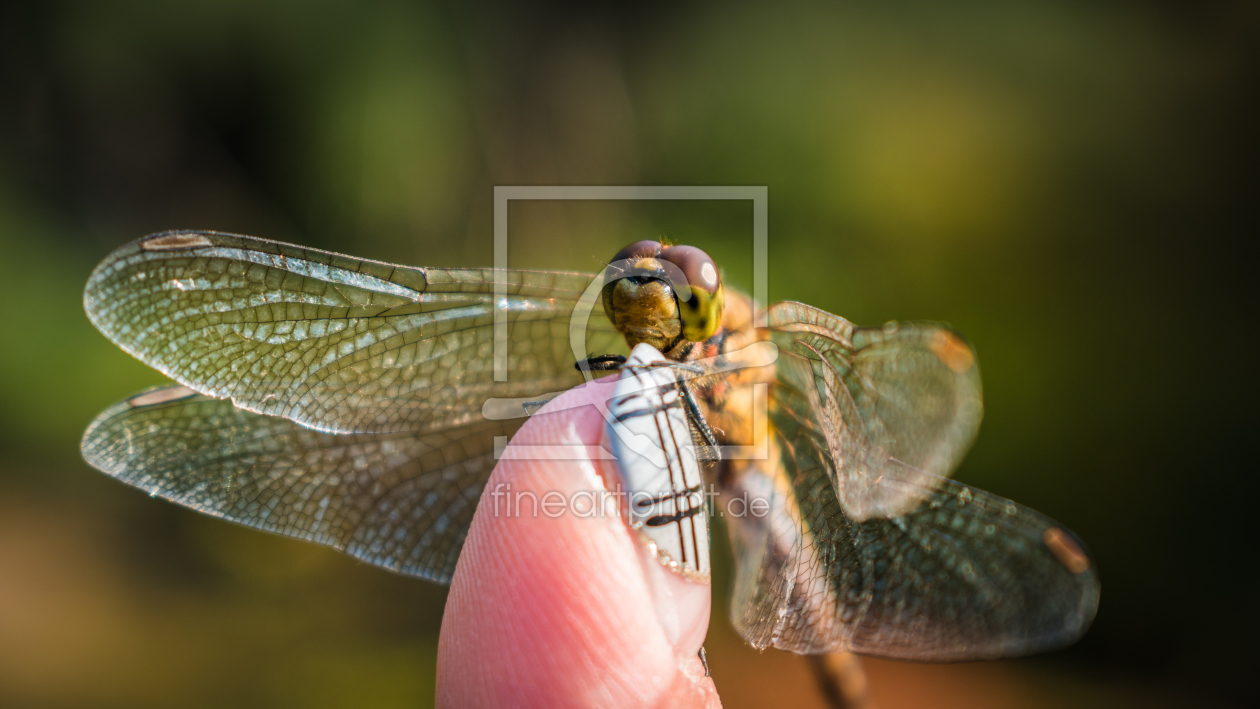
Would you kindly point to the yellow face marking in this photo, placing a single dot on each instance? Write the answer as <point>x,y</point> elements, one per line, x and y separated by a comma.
<point>171,242</point>
<point>702,314</point>
<point>952,352</point>
<point>1066,550</point>
<point>161,396</point>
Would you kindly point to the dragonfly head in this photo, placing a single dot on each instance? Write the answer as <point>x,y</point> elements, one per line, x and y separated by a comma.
<point>663,294</point>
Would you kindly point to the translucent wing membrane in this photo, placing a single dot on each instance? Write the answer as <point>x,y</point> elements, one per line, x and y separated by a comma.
<point>901,401</point>
<point>333,342</point>
<point>348,410</point>
<point>958,574</point>
<point>403,501</point>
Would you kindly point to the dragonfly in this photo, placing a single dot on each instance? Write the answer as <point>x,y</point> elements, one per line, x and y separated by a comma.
<point>355,403</point>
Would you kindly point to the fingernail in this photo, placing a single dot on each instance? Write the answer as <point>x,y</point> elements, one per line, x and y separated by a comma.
<point>682,605</point>
<point>681,591</point>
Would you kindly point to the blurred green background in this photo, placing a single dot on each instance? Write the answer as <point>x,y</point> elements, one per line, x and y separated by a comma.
<point>1069,184</point>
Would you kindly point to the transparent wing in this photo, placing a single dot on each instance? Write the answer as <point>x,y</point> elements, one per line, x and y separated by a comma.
<point>338,343</point>
<point>901,401</point>
<point>403,501</point>
<point>960,575</point>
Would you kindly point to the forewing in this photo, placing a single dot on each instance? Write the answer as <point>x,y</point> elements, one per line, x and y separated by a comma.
<point>403,501</point>
<point>338,343</point>
<point>901,401</point>
<point>961,575</point>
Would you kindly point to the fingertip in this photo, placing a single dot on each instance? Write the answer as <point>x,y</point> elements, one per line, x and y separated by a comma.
<point>563,610</point>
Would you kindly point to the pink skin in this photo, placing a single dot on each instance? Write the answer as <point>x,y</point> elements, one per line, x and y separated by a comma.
<point>566,611</point>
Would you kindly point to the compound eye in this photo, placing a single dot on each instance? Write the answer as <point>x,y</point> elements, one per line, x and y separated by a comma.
<point>698,268</point>
<point>701,313</point>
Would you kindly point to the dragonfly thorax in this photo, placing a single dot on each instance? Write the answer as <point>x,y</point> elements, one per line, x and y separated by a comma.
<point>663,295</point>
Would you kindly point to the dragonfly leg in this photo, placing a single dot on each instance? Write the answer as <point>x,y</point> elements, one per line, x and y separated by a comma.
<point>602,363</point>
<point>694,414</point>
<point>682,366</point>
<point>697,420</point>
<point>704,661</point>
<point>532,407</point>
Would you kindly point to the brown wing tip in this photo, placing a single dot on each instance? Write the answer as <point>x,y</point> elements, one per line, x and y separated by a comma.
<point>174,242</point>
<point>952,351</point>
<point>1066,550</point>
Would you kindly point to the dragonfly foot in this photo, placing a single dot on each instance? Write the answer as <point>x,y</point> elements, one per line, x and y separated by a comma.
<point>532,407</point>
<point>602,363</point>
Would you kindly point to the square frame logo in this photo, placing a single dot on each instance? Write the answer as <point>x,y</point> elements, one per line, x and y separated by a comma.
<point>503,194</point>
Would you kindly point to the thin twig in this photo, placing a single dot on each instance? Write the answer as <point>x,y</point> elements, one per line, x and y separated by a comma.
<point>842,680</point>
